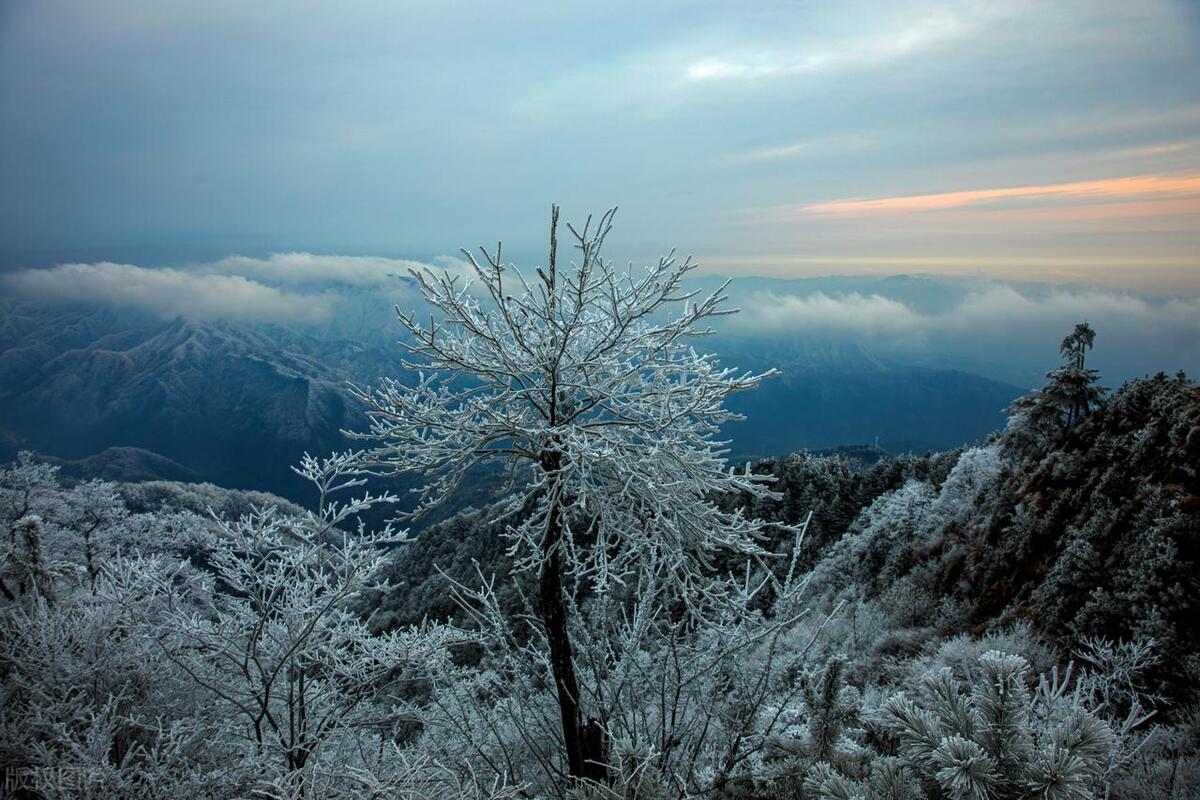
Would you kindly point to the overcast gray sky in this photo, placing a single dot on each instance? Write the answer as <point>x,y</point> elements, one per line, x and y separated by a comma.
<point>1049,141</point>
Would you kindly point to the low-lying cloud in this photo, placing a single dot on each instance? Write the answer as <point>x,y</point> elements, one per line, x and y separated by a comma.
<point>298,288</point>
<point>310,269</point>
<point>1002,330</point>
<point>1014,330</point>
<point>168,292</point>
<point>852,313</point>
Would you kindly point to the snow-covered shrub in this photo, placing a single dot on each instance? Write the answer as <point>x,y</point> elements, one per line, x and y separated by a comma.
<point>164,654</point>
<point>866,552</point>
<point>264,632</point>
<point>961,653</point>
<point>822,727</point>
<point>1163,764</point>
<point>82,693</point>
<point>974,472</point>
<point>992,734</point>
<point>995,738</point>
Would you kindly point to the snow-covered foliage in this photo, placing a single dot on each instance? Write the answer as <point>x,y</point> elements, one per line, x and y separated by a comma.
<point>677,699</point>
<point>586,385</point>
<point>169,654</point>
<point>995,738</point>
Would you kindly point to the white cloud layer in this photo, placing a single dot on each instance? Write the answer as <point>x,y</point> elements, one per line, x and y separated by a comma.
<point>996,324</point>
<point>310,269</point>
<point>997,305</point>
<point>168,292</point>
<point>300,288</point>
<point>851,313</point>
<point>1004,330</point>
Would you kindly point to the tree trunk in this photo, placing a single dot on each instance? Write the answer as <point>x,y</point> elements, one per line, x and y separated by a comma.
<point>585,753</point>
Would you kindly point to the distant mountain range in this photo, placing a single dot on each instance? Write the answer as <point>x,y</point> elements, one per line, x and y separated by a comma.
<point>132,397</point>
<point>232,404</point>
<point>832,393</point>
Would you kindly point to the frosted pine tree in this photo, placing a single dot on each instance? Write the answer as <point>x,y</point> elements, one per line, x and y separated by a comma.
<point>586,385</point>
<point>1045,416</point>
<point>1076,382</point>
<point>995,739</point>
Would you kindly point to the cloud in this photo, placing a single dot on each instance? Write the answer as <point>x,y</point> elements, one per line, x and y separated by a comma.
<point>993,324</point>
<point>855,313</point>
<point>849,142</point>
<point>310,269</point>
<point>301,288</point>
<point>993,307</point>
<point>1000,329</point>
<point>1106,189</point>
<point>917,36</point>
<point>1007,307</point>
<point>168,292</point>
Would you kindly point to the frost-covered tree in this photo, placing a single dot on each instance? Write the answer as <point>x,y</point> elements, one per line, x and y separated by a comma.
<point>51,532</point>
<point>170,654</point>
<point>685,707</point>
<point>585,383</point>
<point>28,493</point>
<point>1072,387</point>
<point>265,632</point>
<point>1046,415</point>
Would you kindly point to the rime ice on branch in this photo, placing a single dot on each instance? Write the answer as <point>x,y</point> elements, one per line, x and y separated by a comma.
<point>586,384</point>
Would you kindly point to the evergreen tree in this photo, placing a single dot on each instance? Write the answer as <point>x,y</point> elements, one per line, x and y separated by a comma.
<point>995,739</point>
<point>1045,417</point>
<point>1073,384</point>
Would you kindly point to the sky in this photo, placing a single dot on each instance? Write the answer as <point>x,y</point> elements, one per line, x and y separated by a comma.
<point>1033,141</point>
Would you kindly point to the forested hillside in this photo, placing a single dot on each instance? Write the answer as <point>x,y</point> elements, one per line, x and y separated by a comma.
<point>1090,534</point>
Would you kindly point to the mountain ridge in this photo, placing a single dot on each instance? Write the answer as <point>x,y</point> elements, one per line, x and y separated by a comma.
<point>235,403</point>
